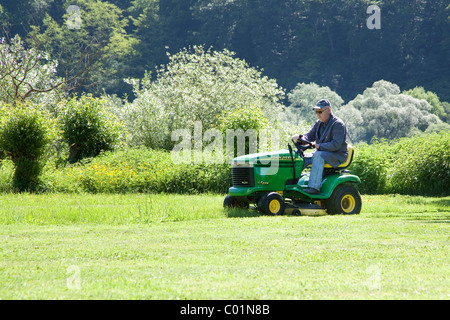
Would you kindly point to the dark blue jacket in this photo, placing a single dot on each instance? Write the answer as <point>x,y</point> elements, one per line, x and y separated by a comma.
<point>331,138</point>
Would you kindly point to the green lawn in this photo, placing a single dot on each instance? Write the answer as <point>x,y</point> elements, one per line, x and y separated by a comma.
<point>139,246</point>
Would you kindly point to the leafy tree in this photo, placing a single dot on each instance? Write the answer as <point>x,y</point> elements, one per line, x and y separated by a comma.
<point>148,28</point>
<point>446,106</point>
<point>436,106</point>
<point>196,85</point>
<point>160,26</point>
<point>91,50</point>
<point>328,42</point>
<point>28,74</point>
<point>3,18</point>
<point>304,96</point>
<point>262,32</point>
<point>19,16</point>
<point>383,112</point>
<point>438,127</point>
<point>322,41</point>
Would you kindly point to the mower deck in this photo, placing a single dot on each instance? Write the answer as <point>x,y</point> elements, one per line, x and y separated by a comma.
<point>306,209</point>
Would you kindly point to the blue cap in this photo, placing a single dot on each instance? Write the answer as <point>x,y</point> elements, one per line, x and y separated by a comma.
<point>322,104</point>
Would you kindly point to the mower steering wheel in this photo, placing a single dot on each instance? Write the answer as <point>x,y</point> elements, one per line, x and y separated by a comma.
<point>302,147</point>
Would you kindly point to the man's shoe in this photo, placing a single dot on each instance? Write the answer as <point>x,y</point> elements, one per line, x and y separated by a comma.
<point>311,190</point>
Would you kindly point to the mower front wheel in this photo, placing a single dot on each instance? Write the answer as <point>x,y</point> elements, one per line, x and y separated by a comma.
<point>272,204</point>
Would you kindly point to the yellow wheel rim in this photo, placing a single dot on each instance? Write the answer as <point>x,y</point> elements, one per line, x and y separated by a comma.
<point>348,203</point>
<point>274,206</point>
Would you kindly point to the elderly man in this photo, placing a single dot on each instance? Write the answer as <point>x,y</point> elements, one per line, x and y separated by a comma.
<point>328,135</point>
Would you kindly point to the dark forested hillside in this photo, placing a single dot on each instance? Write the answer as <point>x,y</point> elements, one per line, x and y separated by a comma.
<point>335,43</point>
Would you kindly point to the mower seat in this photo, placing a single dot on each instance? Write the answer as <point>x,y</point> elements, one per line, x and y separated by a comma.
<point>345,164</point>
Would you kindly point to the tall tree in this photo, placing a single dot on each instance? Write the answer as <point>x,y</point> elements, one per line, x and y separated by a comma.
<point>90,43</point>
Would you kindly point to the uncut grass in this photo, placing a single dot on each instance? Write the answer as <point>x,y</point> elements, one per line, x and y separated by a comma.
<point>379,254</point>
<point>66,208</point>
<point>105,208</point>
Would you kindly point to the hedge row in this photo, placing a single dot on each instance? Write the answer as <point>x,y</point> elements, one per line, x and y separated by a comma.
<point>418,165</point>
<point>138,170</point>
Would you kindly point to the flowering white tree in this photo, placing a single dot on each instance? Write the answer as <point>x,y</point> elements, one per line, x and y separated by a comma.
<point>383,112</point>
<point>197,85</point>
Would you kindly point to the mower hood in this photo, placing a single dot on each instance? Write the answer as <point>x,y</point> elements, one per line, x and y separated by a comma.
<point>264,158</point>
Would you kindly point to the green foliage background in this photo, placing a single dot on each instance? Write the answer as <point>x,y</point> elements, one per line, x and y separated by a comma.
<point>321,41</point>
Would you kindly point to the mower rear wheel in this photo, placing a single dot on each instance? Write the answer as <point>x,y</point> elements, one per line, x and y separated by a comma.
<point>272,204</point>
<point>234,202</point>
<point>345,199</point>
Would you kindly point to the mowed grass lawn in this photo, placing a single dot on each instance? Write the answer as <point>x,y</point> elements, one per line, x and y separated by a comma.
<point>138,246</point>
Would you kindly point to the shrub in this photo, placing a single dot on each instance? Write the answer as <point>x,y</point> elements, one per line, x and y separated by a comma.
<point>421,165</point>
<point>24,137</point>
<point>201,178</point>
<point>416,165</point>
<point>88,128</point>
<point>139,170</point>
<point>245,119</point>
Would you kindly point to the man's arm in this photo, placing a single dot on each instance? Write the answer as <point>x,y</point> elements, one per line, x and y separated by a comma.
<point>311,135</point>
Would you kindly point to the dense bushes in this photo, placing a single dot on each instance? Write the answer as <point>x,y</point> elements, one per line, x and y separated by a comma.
<point>370,164</point>
<point>27,130</point>
<point>417,165</point>
<point>138,170</point>
<point>421,165</point>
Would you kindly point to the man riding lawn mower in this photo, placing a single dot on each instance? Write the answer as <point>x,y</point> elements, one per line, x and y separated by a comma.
<point>327,189</point>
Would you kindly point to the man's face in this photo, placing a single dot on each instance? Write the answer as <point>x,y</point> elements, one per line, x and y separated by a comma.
<point>323,114</point>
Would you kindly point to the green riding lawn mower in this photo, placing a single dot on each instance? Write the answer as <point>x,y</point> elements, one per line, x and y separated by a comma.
<point>274,181</point>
